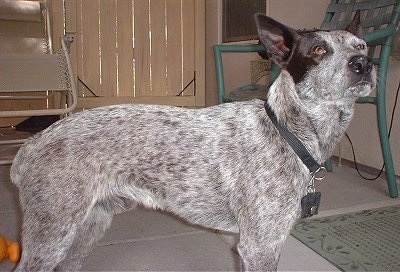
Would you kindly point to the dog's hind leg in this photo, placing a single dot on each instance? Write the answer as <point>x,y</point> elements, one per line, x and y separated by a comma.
<point>52,221</point>
<point>44,245</point>
<point>63,243</point>
<point>88,233</point>
<point>92,229</point>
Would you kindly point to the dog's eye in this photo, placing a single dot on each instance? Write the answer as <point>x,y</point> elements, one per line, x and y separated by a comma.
<point>319,50</point>
<point>360,46</point>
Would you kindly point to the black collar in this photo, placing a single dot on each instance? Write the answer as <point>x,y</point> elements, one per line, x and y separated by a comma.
<point>294,142</point>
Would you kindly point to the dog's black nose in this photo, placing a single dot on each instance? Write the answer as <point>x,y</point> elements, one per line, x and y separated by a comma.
<point>360,64</point>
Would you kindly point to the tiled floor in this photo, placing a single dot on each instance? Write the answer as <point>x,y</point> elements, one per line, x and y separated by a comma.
<point>152,241</point>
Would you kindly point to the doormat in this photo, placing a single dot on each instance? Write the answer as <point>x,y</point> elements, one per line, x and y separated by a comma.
<point>362,241</point>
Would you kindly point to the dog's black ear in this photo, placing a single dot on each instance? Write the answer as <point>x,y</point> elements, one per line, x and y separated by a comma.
<point>277,38</point>
<point>355,26</point>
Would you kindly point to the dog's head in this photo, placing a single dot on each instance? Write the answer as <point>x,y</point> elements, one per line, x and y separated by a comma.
<point>324,65</point>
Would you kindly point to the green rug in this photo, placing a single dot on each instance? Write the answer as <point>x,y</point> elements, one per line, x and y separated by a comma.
<point>363,241</point>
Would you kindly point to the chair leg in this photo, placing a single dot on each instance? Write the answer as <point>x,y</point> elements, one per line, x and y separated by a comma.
<point>328,165</point>
<point>386,151</point>
<point>273,73</point>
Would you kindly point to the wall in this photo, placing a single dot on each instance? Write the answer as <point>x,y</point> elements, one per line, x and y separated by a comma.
<point>363,129</point>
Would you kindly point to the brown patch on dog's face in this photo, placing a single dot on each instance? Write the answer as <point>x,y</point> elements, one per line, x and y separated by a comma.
<point>309,51</point>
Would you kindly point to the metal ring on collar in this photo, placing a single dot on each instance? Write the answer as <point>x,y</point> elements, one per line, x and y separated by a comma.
<point>320,173</point>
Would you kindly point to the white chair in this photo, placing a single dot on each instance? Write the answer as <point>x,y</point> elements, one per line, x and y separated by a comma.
<point>34,76</point>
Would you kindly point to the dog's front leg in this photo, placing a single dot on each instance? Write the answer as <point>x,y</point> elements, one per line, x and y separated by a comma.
<point>261,241</point>
<point>255,257</point>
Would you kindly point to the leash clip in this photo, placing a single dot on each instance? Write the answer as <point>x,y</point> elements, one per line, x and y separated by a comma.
<point>317,175</point>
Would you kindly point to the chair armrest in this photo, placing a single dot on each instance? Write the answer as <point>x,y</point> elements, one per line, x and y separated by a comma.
<point>373,38</point>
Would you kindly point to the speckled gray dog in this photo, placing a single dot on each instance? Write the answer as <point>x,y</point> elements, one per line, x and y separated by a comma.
<point>224,167</point>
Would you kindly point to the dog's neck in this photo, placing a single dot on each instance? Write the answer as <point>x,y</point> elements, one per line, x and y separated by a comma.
<point>318,124</point>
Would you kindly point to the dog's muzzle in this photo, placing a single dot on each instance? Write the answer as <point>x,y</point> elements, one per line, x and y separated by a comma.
<point>361,65</point>
<point>362,77</point>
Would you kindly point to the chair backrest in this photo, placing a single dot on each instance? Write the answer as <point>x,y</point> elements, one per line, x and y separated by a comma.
<point>379,19</point>
<point>33,72</point>
<point>37,73</point>
<point>30,73</point>
<point>25,27</point>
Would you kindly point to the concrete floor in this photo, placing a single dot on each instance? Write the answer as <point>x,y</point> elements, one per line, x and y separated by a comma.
<point>143,240</point>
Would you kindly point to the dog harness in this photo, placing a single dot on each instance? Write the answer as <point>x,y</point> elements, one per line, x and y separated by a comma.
<point>310,202</point>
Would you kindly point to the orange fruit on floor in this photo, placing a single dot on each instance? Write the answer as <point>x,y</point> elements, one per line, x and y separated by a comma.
<point>14,252</point>
<point>3,248</point>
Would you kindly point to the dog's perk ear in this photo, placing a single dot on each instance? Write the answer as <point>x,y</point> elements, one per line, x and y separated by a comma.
<point>277,38</point>
<point>355,26</point>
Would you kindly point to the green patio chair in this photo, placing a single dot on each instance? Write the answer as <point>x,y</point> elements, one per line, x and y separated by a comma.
<point>380,19</point>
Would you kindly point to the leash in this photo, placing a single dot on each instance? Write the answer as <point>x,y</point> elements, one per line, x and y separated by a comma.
<point>310,202</point>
